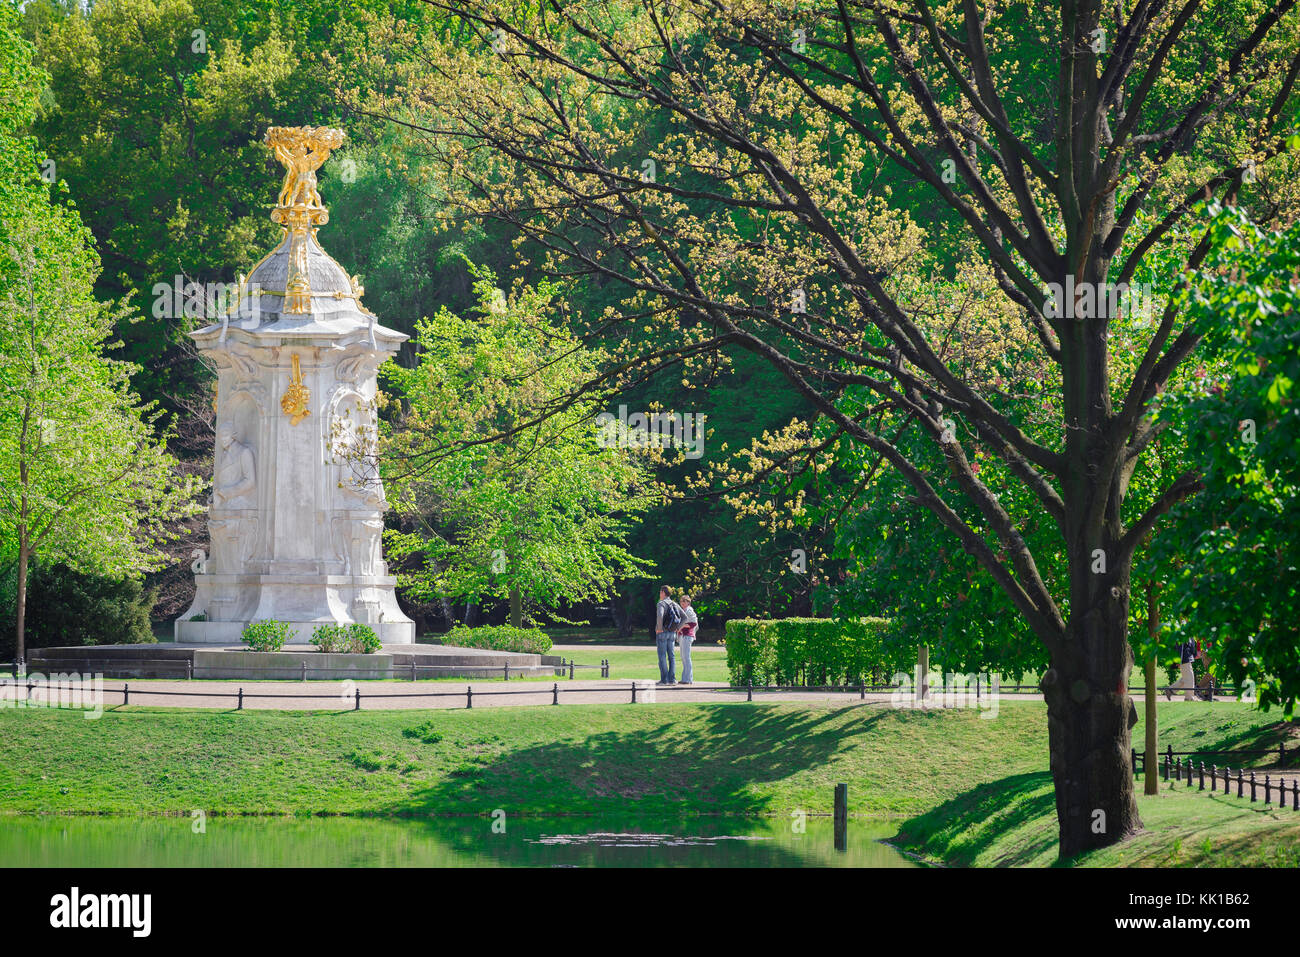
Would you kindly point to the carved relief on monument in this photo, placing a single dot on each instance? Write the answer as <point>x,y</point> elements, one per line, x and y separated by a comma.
<point>367,536</point>
<point>233,524</point>
<point>233,541</point>
<point>353,442</point>
<point>235,479</point>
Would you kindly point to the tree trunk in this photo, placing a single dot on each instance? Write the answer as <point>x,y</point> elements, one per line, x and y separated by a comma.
<point>516,608</point>
<point>1151,783</point>
<point>24,545</point>
<point>20,652</point>
<point>1090,717</point>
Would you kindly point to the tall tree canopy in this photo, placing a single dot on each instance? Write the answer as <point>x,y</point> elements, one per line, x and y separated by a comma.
<point>85,478</point>
<point>768,178</point>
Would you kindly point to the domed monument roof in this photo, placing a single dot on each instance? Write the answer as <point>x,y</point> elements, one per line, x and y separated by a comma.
<point>298,289</point>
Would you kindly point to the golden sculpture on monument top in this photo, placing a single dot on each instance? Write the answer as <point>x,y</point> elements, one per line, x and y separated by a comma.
<point>302,150</point>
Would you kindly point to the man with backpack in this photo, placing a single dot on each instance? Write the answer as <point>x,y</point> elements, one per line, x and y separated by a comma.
<point>668,618</point>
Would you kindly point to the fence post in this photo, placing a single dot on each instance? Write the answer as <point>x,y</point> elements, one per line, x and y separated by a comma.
<point>1200,774</point>
<point>1240,779</point>
<point>126,693</point>
<point>189,669</point>
<point>1178,771</point>
<point>357,706</point>
<point>507,668</point>
<point>1169,759</point>
<point>1214,778</point>
<point>555,693</point>
<point>1295,794</point>
<point>1252,786</point>
<point>570,670</point>
<point>469,696</point>
<point>412,669</point>
<point>1267,795</point>
<point>862,690</point>
<point>240,706</point>
<point>604,667</point>
<point>304,671</point>
<point>841,816</point>
<point>749,691</point>
<point>1133,759</point>
<point>1189,772</point>
<point>634,692</point>
<point>29,691</point>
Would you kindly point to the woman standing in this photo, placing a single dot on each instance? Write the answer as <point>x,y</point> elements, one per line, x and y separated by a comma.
<point>686,636</point>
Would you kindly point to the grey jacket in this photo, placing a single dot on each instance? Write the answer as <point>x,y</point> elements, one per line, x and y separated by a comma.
<point>659,615</point>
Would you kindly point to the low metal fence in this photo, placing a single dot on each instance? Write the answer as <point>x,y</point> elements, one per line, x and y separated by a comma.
<point>184,669</point>
<point>1245,779</point>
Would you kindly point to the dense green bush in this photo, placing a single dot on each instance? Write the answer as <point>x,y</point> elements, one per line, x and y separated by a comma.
<point>68,607</point>
<point>266,635</point>
<point>529,641</point>
<point>806,651</point>
<point>353,639</point>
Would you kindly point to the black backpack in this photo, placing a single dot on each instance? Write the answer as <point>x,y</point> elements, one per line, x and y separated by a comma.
<point>673,616</point>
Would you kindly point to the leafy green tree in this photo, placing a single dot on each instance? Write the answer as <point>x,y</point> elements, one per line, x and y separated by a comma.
<point>1067,142</point>
<point>1236,584</point>
<point>84,478</point>
<point>537,517</point>
<point>68,607</point>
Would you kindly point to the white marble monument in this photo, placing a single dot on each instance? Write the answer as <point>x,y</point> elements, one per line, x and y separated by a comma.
<point>297,505</point>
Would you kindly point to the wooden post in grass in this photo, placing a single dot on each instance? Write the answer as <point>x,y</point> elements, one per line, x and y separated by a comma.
<point>841,817</point>
<point>1152,782</point>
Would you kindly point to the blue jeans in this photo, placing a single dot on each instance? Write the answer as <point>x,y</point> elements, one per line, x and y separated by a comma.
<point>664,641</point>
<point>687,674</point>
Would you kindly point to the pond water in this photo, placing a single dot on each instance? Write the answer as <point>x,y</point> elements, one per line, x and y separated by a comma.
<point>439,842</point>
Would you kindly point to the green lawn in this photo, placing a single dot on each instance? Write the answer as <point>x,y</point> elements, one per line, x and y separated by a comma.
<point>964,789</point>
<point>708,661</point>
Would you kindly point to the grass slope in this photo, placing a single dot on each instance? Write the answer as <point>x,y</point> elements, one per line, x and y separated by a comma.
<point>1012,821</point>
<point>974,788</point>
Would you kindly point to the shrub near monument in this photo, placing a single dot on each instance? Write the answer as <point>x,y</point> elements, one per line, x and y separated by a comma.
<point>528,641</point>
<point>805,651</point>
<point>354,639</point>
<point>266,635</point>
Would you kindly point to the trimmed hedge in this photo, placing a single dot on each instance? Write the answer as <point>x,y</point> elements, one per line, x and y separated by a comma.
<point>528,641</point>
<point>805,651</point>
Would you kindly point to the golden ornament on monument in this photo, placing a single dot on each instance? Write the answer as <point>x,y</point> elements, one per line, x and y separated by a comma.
<point>294,401</point>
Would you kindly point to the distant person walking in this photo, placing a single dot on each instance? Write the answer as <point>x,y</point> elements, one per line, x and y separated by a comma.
<point>687,638</point>
<point>1187,652</point>
<point>668,618</point>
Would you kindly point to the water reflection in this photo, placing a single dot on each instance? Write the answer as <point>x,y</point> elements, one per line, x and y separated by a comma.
<point>438,842</point>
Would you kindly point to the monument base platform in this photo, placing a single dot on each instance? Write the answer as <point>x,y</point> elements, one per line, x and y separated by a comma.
<point>293,662</point>
<point>227,633</point>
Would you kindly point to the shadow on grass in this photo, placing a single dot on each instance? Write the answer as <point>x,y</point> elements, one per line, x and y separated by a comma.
<point>660,769</point>
<point>1258,738</point>
<point>961,829</point>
